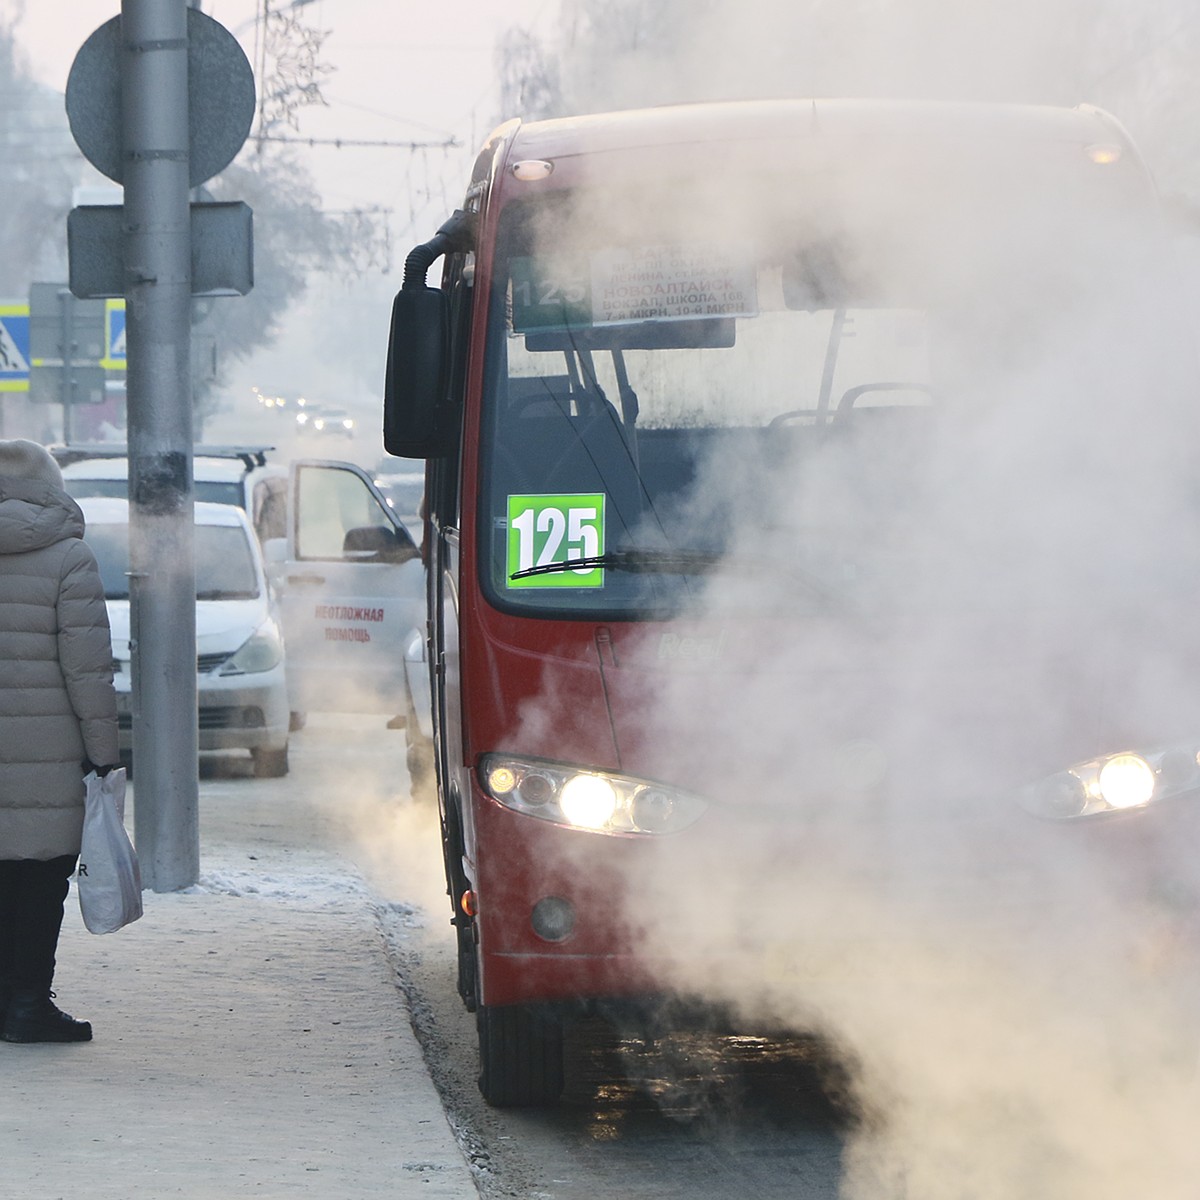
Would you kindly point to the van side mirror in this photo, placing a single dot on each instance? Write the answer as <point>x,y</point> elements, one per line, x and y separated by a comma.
<point>415,421</point>
<point>377,543</point>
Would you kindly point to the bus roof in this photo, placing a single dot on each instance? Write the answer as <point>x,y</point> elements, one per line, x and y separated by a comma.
<point>750,120</point>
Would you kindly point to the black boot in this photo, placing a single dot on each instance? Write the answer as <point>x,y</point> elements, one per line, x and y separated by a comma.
<point>33,1017</point>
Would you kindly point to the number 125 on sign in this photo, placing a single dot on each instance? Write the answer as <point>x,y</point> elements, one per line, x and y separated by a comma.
<point>552,529</point>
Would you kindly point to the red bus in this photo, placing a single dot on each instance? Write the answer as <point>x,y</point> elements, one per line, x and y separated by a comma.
<point>777,456</point>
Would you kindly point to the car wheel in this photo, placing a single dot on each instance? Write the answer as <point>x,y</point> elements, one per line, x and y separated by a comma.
<point>520,1056</point>
<point>268,763</point>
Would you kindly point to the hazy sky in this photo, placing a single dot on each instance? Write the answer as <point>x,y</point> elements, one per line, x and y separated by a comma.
<point>402,72</point>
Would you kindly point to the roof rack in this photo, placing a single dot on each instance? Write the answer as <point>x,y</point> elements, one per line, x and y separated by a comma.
<point>65,455</point>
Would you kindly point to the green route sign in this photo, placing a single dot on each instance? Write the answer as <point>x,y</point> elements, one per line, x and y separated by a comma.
<point>547,529</point>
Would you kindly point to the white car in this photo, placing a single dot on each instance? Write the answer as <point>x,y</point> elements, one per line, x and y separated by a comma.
<point>241,680</point>
<point>321,419</point>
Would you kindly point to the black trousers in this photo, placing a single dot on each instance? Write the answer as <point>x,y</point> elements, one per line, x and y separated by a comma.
<point>32,892</point>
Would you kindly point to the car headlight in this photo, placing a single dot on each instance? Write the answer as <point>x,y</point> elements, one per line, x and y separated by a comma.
<point>260,652</point>
<point>598,801</point>
<point>1115,783</point>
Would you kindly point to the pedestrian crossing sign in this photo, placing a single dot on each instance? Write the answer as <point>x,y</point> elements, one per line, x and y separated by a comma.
<point>14,347</point>
<point>114,335</point>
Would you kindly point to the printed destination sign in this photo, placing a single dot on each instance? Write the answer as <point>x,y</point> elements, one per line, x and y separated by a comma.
<point>671,283</point>
<point>550,529</point>
<point>626,284</point>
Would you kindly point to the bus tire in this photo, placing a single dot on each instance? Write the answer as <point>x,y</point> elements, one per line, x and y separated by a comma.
<point>520,1056</point>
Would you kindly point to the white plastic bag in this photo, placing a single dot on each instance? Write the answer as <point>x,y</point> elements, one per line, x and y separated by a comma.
<point>109,881</point>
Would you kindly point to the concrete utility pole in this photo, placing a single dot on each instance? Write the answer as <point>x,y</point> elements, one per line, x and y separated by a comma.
<point>158,299</point>
<point>130,95</point>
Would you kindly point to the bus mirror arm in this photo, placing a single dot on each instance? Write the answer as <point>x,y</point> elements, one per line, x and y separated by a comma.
<point>457,234</point>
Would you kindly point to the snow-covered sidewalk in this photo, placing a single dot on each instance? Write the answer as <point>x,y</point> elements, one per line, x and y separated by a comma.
<point>250,1040</point>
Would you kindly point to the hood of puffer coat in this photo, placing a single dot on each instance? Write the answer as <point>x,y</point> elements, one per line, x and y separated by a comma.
<point>34,514</point>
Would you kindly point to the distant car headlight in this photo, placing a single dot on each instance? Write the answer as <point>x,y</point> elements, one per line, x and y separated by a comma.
<point>1115,783</point>
<point>260,652</point>
<point>348,423</point>
<point>597,801</point>
<point>302,418</point>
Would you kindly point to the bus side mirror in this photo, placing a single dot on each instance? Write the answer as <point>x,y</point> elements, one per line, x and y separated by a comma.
<point>415,423</point>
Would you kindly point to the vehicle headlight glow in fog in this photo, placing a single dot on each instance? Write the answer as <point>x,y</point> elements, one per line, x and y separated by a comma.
<point>1104,154</point>
<point>588,801</point>
<point>1116,783</point>
<point>594,801</point>
<point>1126,781</point>
<point>501,780</point>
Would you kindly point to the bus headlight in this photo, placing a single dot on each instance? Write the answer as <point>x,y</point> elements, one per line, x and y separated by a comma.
<point>1115,783</point>
<point>597,801</point>
<point>1126,781</point>
<point>589,801</point>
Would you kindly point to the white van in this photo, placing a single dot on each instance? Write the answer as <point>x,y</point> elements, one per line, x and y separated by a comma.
<point>238,475</point>
<point>351,587</point>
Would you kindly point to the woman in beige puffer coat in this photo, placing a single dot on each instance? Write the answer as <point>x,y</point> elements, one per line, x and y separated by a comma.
<point>57,710</point>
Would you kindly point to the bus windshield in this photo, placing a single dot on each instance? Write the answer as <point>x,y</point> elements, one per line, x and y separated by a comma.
<point>775,375</point>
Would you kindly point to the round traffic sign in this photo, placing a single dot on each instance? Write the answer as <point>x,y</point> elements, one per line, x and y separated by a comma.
<point>220,98</point>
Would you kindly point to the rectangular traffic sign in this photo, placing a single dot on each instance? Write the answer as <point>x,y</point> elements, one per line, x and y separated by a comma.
<point>63,328</point>
<point>222,245</point>
<point>14,347</point>
<point>114,335</point>
<point>84,385</point>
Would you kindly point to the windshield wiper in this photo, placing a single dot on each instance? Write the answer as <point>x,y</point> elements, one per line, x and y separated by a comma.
<point>686,562</point>
<point>658,562</point>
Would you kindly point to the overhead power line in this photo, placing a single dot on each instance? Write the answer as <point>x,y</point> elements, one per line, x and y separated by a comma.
<point>451,143</point>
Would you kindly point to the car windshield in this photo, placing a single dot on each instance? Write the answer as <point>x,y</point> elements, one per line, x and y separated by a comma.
<point>761,381</point>
<point>224,561</point>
